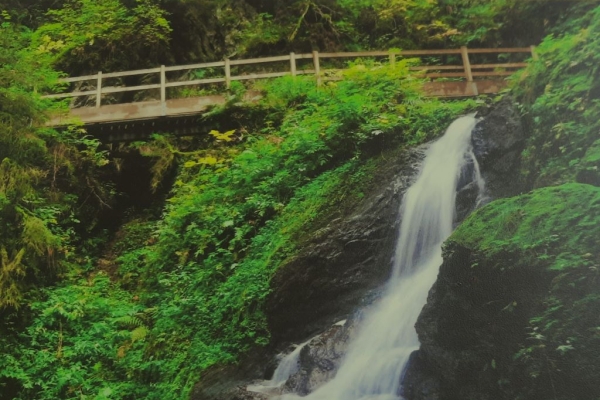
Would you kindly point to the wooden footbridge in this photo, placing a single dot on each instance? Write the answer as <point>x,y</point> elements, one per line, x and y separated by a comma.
<point>107,105</point>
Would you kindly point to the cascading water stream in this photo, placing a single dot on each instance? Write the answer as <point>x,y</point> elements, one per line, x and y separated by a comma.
<point>287,366</point>
<point>376,358</point>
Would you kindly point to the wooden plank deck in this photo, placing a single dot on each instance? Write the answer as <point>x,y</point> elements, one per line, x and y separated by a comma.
<point>487,82</point>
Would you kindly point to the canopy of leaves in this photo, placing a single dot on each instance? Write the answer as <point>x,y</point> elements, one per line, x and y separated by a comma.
<point>86,34</point>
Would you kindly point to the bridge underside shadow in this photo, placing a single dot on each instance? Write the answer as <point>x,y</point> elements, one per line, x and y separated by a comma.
<point>129,131</point>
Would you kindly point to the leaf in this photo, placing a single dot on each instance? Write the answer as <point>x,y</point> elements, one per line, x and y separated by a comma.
<point>209,160</point>
<point>564,348</point>
<point>139,333</point>
<point>106,392</point>
<point>225,136</point>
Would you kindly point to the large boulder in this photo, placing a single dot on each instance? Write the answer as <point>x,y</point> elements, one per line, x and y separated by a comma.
<point>498,140</point>
<point>345,260</point>
<point>321,358</point>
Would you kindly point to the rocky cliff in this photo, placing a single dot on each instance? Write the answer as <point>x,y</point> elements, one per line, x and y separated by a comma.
<point>513,314</point>
<point>339,268</point>
<point>344,264</point>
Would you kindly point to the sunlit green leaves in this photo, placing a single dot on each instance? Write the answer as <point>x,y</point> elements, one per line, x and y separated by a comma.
<point>82,30</point>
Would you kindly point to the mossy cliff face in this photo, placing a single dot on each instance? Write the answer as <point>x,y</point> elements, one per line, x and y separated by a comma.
<point>514,313</point>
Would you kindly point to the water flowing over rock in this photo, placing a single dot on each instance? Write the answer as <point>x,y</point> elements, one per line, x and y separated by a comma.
<point>342,267</point>
<point>343,261</point>
<point>376,357</point>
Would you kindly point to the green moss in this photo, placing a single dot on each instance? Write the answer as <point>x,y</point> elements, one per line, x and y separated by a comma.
<point>592,155</point>
<point>560,224</point>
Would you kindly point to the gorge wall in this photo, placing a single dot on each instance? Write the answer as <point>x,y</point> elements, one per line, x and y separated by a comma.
<point>343,266</point>
<point>511,315</point>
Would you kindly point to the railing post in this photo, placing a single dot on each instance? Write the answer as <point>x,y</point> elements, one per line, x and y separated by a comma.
<point>317,67</point>
<point>534,54</point>
<point>392,58</point>
<point>227,73</point>
<point>293,63</point>
<point>99,89</point>
<point>466,63</point>
<point>467,66</point>
<point>163,91</point>
<point>163,83</point>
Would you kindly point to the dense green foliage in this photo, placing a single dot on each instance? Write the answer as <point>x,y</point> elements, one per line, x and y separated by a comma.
<point>172,297</point>
<point>38,183</point>
<point>83,33</point>
<point>559,93</point>
<point>558,225</point>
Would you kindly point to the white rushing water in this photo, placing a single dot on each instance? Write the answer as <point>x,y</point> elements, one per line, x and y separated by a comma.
<point>286,368</point>
<point>376,358</point>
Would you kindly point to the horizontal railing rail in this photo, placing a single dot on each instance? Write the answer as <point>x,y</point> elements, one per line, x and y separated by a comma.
<point>465,70</point>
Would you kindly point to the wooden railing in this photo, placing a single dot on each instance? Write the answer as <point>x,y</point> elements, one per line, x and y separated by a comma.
<point>466,70</point>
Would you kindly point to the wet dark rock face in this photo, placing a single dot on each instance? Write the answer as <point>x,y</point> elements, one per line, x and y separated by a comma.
<point>321,358</point>
<point>498,140</point>
<point>462,325</point>
<point>343,261</point>
<point>470,329</point>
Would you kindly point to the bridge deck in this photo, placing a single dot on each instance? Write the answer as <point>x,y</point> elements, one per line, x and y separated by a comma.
<point>476,79</point>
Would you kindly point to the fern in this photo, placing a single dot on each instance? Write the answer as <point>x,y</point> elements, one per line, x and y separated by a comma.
<point>139,334</point>
<point>11,271</point>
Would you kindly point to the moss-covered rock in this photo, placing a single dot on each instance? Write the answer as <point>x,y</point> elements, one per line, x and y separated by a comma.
<point>556,226</point>
<point>513,314</point>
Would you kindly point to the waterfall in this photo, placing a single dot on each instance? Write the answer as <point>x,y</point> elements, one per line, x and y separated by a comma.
<point>286,368</point>
<point>377,357</point>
